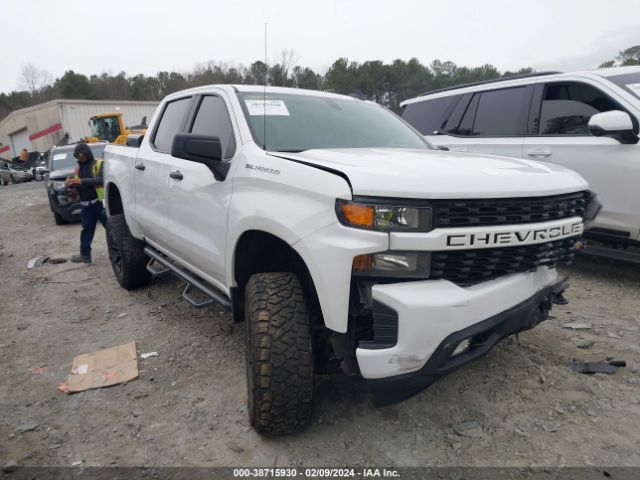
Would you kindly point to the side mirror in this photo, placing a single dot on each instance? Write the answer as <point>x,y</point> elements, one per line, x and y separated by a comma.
<point>203,149</point>
<point>134,140</point>
<point>615,124</point>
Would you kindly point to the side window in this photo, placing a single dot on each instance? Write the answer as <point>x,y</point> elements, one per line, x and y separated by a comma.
<point>427,116</point>
<point>170,124</point>
<point>453,120</point>
<point>213,119</point>
<point>464,126</point>
<point>567,108</point>
<point>498,112</point>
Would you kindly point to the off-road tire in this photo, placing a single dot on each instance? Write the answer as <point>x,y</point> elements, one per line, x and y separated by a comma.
<point>59,219</point>
<point>279,355</point>
<point>127,255</point>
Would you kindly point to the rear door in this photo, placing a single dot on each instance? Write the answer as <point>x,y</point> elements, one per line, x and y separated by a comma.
<point>491,122</point>
<point>151,174</point>
<point>560,134</point>
<point>200,203</point>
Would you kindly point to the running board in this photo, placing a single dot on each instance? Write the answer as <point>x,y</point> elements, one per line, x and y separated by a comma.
<point>156,268</point>
<point>161,264</point>
<point>611,253</point>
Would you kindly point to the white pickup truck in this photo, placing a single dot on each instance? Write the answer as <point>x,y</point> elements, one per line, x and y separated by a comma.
<point>340,236</point>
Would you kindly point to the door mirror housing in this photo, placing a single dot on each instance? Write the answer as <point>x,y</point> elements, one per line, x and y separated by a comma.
<point>134,140</point>
<point>615,124</point>
<point>203,149</point>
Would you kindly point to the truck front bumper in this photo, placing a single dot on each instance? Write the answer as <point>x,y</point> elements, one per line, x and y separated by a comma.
<point>435,318</point>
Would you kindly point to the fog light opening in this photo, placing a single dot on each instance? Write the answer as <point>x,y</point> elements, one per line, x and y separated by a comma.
<point>462,347</point>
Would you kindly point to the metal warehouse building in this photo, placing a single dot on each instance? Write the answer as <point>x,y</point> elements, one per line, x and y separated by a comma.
<point>42,126</point>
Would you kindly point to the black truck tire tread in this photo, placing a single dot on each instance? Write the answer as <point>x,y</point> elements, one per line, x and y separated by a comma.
<point>280,371</point>
<point>133,272</point>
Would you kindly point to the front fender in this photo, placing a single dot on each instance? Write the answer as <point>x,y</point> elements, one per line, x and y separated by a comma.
<point>328,255</point>
<point>296,203</point>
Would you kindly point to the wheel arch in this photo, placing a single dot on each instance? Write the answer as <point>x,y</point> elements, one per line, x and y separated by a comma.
<point>117,201</point>
<point>113,199</point>
<point>258,251</point>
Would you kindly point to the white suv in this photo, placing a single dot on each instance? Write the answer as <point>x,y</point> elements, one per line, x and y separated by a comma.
<point>586,121</point>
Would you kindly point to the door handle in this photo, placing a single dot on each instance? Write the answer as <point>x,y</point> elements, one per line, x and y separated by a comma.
<point>176,175</point>
<point>539,153</point>
<point>140,166</point>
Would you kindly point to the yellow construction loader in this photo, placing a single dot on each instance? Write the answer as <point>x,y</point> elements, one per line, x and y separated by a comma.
<point>109,127</point>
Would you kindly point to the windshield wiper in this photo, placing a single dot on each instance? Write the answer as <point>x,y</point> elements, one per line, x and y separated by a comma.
<point>289,150</point>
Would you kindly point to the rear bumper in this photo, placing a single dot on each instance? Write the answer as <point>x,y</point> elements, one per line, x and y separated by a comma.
<point>433,319</point>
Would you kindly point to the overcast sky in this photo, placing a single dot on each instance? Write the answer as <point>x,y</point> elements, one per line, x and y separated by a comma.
<point>141,36</point>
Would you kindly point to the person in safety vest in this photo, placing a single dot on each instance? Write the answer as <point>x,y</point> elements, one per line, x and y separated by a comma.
<point>87,179</point>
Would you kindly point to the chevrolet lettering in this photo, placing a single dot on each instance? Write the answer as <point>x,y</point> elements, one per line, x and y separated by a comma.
<point>517,237</point>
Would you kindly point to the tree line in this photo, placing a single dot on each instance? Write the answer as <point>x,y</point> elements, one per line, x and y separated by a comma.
<point>385,83</point>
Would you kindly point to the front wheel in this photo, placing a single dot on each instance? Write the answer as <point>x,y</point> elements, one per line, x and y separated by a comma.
<point>279,355</point>
<point>127,255</point>
<point>59,219</point>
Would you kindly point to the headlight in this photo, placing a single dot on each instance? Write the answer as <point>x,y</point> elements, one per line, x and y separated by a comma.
<point>393,264</point>
<point>57,185</point>
<point>384,217</point>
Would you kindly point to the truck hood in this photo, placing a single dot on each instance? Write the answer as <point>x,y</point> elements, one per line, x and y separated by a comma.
<point>410,173</point>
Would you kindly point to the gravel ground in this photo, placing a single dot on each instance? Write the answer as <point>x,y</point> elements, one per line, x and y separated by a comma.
<point>188,407</point>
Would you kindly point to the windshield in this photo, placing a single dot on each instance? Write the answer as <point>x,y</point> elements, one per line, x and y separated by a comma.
<point>630,82</point>
<point>62,160</point>
<point>105,128</point>
<point>65,160</point>
<point>302,122</point>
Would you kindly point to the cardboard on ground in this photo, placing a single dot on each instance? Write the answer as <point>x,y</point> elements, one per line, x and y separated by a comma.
<point>103,368</point>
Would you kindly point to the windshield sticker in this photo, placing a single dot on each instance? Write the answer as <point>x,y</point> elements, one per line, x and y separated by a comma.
<point>634,87</point>
<point>270,107</point>
<point>60,156</point>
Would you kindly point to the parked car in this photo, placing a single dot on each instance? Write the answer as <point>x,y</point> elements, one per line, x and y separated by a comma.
<point>12,173</point>
<point>340,236</point>
<point>586,121</point>
<point>60,165</point>
<point>39,170</point>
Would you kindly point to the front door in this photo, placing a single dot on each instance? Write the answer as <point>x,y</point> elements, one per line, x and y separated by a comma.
<point>561,118</point>
<point>200,203</point>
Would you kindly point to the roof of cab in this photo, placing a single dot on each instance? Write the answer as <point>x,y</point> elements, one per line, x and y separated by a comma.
<point>518,80</point>
<point>261,89</point>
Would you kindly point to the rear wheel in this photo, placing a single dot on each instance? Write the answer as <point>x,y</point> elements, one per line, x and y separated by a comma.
<point>127,255</point>
<point>279,355</point>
